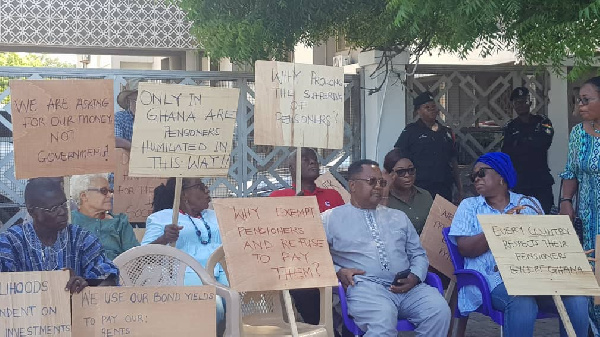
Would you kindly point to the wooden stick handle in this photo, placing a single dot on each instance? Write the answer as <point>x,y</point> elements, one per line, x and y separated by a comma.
<point>175,219</point>
<point>298,170</point>
<point>289,308</point>
<point>67,189</point>
<point>562,311</point>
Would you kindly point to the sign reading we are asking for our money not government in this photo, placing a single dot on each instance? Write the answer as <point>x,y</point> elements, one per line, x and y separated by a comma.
<point>300,105</point>
<point>182,130</point>
<point>62,127</point>
<point>539,255</point>
<point>274,244</point>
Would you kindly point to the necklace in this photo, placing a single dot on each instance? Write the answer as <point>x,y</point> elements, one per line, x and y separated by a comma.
<point>199,233</point>
<point>594,128</point>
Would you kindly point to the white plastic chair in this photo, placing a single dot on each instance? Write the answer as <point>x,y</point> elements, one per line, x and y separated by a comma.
<point>159,265</point>
<point>263,313</point>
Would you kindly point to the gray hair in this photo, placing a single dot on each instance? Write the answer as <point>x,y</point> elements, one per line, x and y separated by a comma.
<point>81,183</point>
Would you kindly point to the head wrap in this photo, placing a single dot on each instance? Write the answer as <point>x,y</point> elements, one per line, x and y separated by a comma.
<point>502,164</point>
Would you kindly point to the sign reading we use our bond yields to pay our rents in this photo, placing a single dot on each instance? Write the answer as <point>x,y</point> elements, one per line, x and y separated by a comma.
<point>35,304</point>
<point>539,255</point>
<point>183,130</point>
<point>299,105</point>
<point>62,127</point>
<point>274,244</point>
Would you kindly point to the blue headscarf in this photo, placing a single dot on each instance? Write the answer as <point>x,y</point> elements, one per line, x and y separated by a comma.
<point>502,164</point>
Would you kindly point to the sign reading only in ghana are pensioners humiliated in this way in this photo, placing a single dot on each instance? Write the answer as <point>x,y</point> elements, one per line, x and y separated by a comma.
<point>539,255</point>
<point>35,304</point>
<point>145,311</point>
<point>440,216</point>
<point>274,243</point>
<point>182,131</point>
<point>133,195</point>
<point>299,105</point>
<point>62,127</point>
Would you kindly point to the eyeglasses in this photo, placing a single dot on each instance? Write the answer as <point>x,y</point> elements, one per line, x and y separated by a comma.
<point>374,181</point>
<point>406,171</point>
<point>200,186</point>
<point>479,174</point>
<point>53,209</point>
<point>103,190</point>
<point>585,100</point>
<point>199,233</point>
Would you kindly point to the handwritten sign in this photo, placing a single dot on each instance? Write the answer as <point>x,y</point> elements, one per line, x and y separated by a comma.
<point>62,127</point>
<point>327,180</point>
<point>183,131</point>
<point>145,311</point>
<point>34,304</point>
<point>299,105</point>
<point>539,255</point>
<point>440,216</point>
<point>133,195</point>
<point>274,245</point>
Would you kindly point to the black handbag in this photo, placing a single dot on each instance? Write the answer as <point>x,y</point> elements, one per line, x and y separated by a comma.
<point>577,222</point>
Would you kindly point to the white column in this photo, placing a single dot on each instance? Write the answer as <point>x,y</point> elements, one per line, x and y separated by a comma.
<point>558,112</point>
<point>384,111</point>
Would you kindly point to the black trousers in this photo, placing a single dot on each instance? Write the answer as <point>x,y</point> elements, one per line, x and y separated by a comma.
<point>442,188</point>
<point>543,194</point>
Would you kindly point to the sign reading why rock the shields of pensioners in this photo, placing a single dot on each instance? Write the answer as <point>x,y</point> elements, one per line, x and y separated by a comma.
<point>182,131</point>
<point>35,304</point>
<point>539,255</point>
<point>299,105</point>
<point>274,244</point>
<point>133,195</point>
<point>440,216</point>
<point>145,311</point>
<point>62,127</point>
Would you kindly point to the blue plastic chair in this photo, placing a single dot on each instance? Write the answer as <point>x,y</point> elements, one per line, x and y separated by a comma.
<point>467,277</point>
<point>403,325</point>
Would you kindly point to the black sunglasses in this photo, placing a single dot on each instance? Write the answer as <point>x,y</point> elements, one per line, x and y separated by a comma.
<point>406,171</point>
<point>103,190</point>
<point>374,181</point>
<point>479,174</point>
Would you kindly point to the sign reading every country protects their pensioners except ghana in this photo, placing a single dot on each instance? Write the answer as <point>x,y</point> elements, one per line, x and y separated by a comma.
<point>62,127</point>
<point>299,105</point>
<point>182,131</point>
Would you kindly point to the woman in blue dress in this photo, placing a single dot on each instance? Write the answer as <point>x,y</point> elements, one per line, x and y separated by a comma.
<point>581,178</point>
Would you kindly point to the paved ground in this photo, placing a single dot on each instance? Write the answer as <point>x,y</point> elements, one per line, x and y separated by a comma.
<point>481,326</point>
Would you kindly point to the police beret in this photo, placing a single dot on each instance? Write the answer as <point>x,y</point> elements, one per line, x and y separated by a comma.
<point>518,93</point>
<point>423,98</point>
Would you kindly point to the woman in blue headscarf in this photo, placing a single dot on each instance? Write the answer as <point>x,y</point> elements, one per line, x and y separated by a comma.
<point>494,176</point>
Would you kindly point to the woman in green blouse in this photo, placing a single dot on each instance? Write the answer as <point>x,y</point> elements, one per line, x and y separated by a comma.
<point>403,194</point>
<point>94,200</point>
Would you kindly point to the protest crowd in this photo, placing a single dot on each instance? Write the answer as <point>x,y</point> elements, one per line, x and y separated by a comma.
<point>375,240</point>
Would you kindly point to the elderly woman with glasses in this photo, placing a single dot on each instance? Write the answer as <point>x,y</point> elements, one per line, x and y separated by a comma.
<point>494,176</point>
<point>401,192</point>
<point>94,201</point>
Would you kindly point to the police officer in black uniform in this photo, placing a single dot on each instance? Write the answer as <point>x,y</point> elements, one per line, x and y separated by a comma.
<point>432,148</point>
<point>527,139</point>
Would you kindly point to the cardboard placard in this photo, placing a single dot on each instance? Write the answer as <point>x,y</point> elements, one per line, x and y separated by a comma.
<point>62,127</point>
<point>35,304</point>
<point>145,311</point>
<point>133,195</point>
<point>182,131</point>
<point>597,267</point>
<point>440,216</point>
<point>274,244</point>
<point>299,105</point>
<point>539,255</point>
<point>327,180</point>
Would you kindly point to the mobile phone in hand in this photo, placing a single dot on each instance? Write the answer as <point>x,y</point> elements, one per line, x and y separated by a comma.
<point>401,275</point>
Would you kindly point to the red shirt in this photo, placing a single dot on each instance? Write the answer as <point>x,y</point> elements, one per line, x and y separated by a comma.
<point>326,198</point>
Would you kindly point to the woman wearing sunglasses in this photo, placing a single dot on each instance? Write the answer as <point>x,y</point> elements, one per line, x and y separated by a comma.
<point>494,176</point>
<point>94,201</point>
<point>402,192</point>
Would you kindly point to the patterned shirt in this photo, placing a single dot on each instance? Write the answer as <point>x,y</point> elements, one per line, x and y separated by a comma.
<point>465,223</point>
<point>124,124</point>
<point>352,245</point>
<point>75,248</point>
